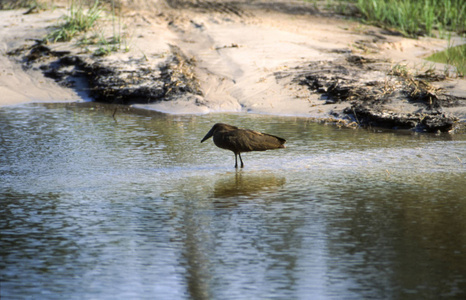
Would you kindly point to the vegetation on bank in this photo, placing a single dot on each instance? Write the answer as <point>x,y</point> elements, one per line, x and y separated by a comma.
<point>83,18</point>
<point>80,19</point>
<point>416,17</point>
<point>410,17</point>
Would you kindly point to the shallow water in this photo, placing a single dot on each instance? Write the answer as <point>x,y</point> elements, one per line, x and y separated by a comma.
<point>135,207</point>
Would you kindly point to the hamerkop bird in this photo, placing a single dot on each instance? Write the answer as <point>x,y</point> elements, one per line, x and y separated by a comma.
<point>242,140</point>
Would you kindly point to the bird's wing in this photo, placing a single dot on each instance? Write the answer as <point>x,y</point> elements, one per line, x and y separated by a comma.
<point>251,140</point>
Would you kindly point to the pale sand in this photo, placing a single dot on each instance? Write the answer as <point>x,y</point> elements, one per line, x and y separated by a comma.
<point>237,54</point>
<point>24,86</point>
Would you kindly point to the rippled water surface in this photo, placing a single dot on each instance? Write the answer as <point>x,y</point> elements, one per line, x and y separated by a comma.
<point>135,207</point>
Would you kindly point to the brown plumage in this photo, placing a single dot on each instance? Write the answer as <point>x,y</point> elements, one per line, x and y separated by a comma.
<point>242,140</point>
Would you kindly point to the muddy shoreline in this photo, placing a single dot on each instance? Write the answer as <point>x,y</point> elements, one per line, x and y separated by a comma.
<point>197,65</point>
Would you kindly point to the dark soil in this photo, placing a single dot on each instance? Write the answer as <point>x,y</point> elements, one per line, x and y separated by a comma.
<point>370,86</point>
<point>128,82</point>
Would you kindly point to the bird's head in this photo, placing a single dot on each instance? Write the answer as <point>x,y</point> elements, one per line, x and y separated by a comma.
<point>216,127</point>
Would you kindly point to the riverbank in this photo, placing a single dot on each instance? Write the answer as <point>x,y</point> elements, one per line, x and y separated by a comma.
<point>273,57</point>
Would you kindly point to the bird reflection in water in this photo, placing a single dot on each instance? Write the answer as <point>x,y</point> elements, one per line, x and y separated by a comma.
<point>240,187</point>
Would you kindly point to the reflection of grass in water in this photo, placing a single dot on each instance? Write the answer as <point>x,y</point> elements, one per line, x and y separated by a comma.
<point>455,56</point>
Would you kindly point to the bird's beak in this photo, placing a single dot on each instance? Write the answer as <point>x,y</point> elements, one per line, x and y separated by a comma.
<point>208,135</point>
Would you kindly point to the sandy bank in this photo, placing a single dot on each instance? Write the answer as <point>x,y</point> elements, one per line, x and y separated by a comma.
<point>17,83</point>
<point>277,57</point>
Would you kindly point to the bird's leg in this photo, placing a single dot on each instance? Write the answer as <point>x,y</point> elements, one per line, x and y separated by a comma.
<point>236,160</point>
<point>242,165</point>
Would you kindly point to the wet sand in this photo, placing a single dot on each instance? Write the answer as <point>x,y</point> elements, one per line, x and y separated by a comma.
<point>274,57</point>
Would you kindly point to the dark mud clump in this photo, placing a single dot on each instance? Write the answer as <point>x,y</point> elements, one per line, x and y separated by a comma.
<point>135,81</point>
<point>378,116</point>
<point>114,81</point>
<point>381,95</point>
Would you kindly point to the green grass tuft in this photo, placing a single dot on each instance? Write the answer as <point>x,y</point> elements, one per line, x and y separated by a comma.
<point>416,17</point>
<point>78,21</point>
<point>410,17</point>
